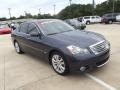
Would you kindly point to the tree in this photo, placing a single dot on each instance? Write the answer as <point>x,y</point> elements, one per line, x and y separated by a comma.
<point>3,19</point>
<point>12,18</point>
<point>75,10</point>
<point>21,17</point>
<point>107,7</point>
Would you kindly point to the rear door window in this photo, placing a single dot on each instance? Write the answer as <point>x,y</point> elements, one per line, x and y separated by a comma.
<point>23,28</point>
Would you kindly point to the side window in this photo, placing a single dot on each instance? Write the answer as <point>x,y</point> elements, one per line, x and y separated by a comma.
<point>114,15</point>
<point>86,17</point>
<point>32,29</point>
<point>97,17</point>
<point>23,28</point>
<point>93,17</point>
<point>110,15</point>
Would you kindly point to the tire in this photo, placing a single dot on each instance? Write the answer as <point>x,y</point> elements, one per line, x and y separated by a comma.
<point>83,28</point>
<point>17,47</point>
<point>110,22</point>
<point>59,64</point>
<point>88,22</point>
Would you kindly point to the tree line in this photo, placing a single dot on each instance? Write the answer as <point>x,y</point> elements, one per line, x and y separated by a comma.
<point>76,10</point>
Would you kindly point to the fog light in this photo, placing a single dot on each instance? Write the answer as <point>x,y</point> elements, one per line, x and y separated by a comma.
<point>83,69</point>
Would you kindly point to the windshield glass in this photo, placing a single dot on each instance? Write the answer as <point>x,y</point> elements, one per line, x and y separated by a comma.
<point>55,27</point>
<point>3,26</point>
<point>75,21</point>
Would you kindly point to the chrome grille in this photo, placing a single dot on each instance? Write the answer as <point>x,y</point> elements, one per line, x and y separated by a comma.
<point>99,47</point>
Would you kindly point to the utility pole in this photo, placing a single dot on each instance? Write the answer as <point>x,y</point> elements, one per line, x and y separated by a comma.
<point>9,9</point>
<point>70,9</point>
<point>54,8</point>
<point>25,13</point>
<point>70,2</point>
<point>94,6</point>
<point>113,6</point>
<point>39,10</point>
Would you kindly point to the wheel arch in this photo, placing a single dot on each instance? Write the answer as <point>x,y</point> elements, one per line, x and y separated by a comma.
<point>14,41</point>
<point>50,53</point>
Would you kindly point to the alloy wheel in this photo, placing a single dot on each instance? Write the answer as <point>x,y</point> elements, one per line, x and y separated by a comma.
<point>58,64</point>
<point>17,48</point>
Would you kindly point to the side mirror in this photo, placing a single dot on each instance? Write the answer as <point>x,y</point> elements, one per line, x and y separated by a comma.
<point>13,27</point>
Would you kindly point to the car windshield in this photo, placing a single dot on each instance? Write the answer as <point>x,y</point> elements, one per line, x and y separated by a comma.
<point>74,21</point>
<point>3,26</point>
<point>55,27</point>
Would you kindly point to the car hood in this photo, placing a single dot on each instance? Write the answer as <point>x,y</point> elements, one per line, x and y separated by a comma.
<point>82,39</point>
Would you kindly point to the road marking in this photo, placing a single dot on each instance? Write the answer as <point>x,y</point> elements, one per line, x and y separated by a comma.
<point>100,82</point>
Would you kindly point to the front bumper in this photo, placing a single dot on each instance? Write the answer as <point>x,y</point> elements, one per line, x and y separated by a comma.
<point>89,61</point>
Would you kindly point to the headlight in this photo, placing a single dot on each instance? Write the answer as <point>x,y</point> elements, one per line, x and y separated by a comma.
<point>77,50</point>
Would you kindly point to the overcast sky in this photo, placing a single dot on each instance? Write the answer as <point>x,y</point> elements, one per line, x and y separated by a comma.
<point>32,6</point>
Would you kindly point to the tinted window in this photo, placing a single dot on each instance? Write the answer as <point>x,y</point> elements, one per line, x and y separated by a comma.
<point>93,17</point>
<point>23,27</point>
<point>32,29</point>
<point>86,17</point>
<point>55,26</point>
<point>110,15</point>
<point>97,17</point>
<point>114,15</point>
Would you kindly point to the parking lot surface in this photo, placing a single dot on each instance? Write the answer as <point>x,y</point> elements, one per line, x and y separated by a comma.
<point>27,72</point>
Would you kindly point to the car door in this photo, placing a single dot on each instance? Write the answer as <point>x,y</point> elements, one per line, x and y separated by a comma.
<point>93,19</point>
<point>98,19</point>
<point>22,36</point>
<point>34,41</point>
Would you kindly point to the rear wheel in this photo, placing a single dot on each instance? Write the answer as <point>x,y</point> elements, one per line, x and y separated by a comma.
<point>17,47</point>
<point>110,22</point>
<point>59,64</point>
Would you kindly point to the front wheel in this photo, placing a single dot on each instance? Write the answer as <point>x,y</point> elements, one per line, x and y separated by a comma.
<point>59,64</point>
<point>88,22</point>
<point>110,22</point>
<point>17,47</point>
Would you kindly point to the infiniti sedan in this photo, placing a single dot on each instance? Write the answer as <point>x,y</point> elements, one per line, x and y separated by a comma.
<point>65,48</point>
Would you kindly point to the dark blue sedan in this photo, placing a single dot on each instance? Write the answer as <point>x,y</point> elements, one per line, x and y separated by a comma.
<point>65,48</point>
